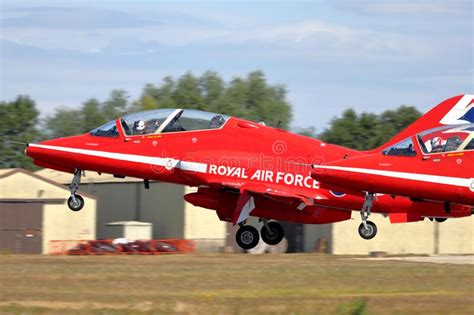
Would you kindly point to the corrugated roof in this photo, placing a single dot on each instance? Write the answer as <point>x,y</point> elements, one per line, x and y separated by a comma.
<point>91,177</point>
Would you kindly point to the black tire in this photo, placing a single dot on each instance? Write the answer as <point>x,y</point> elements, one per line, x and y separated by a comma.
<point>440,220</point>
<point>75,206</point>
<point>275,235</point>
<point>247,237</point>
<point>370,232</point>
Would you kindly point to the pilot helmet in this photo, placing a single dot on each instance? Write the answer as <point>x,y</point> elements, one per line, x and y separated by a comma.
<point>436,142</point>
<point>140,125</point>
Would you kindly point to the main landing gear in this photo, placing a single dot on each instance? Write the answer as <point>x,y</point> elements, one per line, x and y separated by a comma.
<point>247,236</point>
<point>439,220</point>
<point>75,202</point>
<point>367,229</point>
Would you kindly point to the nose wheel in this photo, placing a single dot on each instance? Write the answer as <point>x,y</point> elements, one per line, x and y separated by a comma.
<point>247,237</point>
<point>367,229</point>
<point>75,202</point>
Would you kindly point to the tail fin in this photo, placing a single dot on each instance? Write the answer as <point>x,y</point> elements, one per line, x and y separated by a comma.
<point>453,111</point>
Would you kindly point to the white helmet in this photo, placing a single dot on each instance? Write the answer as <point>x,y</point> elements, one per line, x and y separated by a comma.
<point>436,142</point>
<point>140,125</point>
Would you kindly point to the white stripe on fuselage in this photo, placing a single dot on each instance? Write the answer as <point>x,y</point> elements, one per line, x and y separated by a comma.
<point>165,162</point>
<point>445,180</point>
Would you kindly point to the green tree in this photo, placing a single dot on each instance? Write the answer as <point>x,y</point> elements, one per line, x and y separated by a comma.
<point>234,100</point>
<point>251,98</point>
<point>254,99</point>
<point>65,122</point>
<point>394,121</point>
<point>163,95</point>
<point>368,131</point>
<point>146,102</point>
<point>187,93</point>
<point>116,105</point>
<point>307,131</point>
<point>19,122</point>
<point>212,88</point>
<point>91,115</point>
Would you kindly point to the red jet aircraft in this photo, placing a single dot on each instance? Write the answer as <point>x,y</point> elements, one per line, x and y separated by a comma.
<point>431,160</point>
<point>241,169</point>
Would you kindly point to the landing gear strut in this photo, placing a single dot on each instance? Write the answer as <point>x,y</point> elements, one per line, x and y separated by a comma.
<point>272,232</point>
<point>75,202</point>
<point>367,229</point>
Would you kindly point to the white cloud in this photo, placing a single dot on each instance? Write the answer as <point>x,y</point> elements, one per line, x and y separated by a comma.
<point>411,7</point>
<point>314,36</point>
<point>336,40</point>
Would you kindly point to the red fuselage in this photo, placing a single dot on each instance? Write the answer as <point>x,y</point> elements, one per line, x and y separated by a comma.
<point>442,172</point>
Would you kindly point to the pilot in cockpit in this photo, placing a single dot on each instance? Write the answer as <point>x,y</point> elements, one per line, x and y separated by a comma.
<point>216,122</point>
<point>152,126</point>
<point>436,145</point>
<point>139,127</point>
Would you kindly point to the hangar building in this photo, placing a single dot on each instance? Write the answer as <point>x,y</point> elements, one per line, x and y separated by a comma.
<point>32,213</point>
<point>162,205</point>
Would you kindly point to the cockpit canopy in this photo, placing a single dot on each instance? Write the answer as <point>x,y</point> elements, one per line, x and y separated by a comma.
<point>163,121</point>
<point>437,140</point>
<point>447,139</point>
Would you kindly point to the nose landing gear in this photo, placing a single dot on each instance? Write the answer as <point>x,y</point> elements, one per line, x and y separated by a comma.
<point>75,202</point>
<point>367,229</point>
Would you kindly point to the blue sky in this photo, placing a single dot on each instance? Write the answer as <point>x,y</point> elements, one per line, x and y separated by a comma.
<point>330,55</point>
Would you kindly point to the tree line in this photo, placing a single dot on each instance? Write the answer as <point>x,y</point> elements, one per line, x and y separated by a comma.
<point>250,97</point>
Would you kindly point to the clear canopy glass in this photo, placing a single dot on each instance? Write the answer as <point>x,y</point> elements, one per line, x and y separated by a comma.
<point>170,120</point>
<point>453,138</point>
<point>403,148</point>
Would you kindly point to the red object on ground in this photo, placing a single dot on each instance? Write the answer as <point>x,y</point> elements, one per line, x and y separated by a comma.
<point>106,247</point>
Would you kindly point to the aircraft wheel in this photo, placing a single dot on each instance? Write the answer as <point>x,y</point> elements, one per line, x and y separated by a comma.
<point>76,205</point>
<point>275,235</point>
<point>247,237</point>
<point>440,220</point>
<point>368,233</point>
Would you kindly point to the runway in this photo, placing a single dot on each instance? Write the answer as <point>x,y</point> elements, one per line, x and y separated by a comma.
<point>441,259</point>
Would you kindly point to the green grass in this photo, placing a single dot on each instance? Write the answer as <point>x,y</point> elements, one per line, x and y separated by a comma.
<point>231,283</point>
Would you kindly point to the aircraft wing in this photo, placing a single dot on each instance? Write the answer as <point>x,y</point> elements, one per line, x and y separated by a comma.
<point>246,203</point>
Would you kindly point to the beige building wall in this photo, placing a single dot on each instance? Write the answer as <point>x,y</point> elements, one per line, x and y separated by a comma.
<point>455,236</point>
<point>203,226</point>
<point>403,238</point>
<point>59,223</point>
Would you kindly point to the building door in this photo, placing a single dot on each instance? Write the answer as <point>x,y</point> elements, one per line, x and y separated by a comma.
<point>21,227</point>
